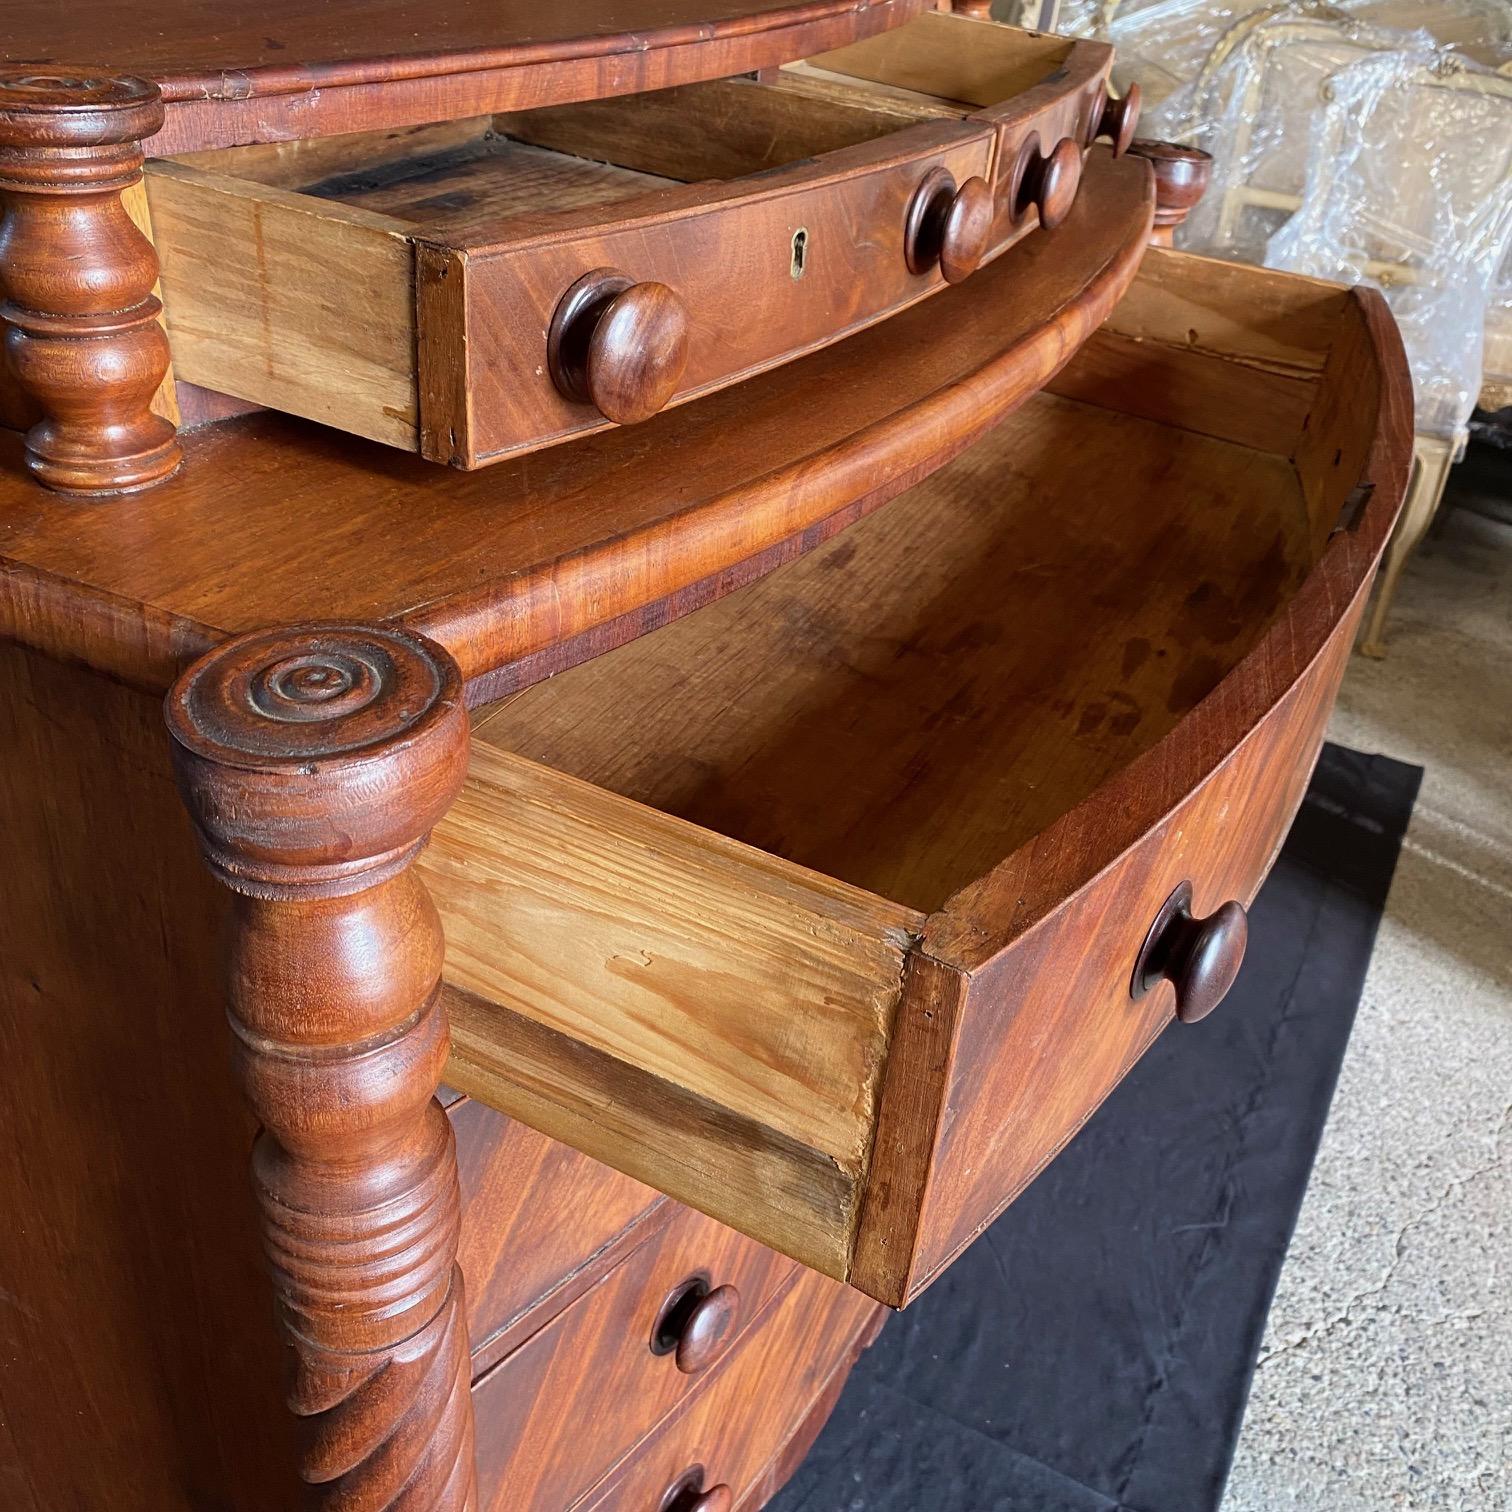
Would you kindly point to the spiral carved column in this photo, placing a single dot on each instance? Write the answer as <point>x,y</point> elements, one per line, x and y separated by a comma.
<point>315,762</point>
<point>82,321</point>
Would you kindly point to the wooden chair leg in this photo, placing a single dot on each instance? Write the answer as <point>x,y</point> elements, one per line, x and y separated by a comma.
<point>1430,472</point>
<point>314,763</point>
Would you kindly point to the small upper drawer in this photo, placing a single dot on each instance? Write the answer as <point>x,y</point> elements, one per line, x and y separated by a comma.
<point>836,907</point>
<point>483,288</point>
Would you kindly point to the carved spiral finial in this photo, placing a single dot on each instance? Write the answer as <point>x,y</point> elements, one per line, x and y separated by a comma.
<point>318,756</point>
<point>83,334</point>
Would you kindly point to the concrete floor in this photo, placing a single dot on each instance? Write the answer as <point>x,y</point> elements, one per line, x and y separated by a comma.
<point>1386,1376</point>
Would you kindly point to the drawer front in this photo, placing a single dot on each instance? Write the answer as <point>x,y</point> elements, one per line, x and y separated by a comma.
<point>1048,1026</point>
<point>1035,91</point>
<point>569,1403</point>
<point>540,1225</point>
<point>736,1428</point>
<point>758,272</point>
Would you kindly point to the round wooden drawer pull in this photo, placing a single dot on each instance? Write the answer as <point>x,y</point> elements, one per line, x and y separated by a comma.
<point>618,345</point>
<point>1050,183</point>
<point>1199,957</point>
<point>1120,120</point>
<point>948,227</point>
<point>695,1324</point>
<point>687,1494</point>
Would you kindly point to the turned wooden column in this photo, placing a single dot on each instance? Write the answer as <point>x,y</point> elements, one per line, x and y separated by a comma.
<point>315,762</point>
<point>1181,179</point>
<point>82,322</point>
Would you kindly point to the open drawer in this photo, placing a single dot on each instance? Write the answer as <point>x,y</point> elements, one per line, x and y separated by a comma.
<point>482,288</point>
<point>822,909</point>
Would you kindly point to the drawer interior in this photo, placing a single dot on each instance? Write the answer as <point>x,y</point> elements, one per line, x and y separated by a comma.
<point>915,700</point>
<point>463,178</point>
<point>455,175</point>
<point>936,686</point>
<point>818,909</point>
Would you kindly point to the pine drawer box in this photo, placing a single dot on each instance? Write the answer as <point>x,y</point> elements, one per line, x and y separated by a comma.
<point>836,909</point>
<point>484,287</point>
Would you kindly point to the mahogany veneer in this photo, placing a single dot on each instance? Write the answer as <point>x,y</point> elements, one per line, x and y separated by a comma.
<point>541,562</point>
<point>290,69</point>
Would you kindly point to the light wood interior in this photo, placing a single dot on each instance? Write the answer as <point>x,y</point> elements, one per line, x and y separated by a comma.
<point>934,55</point>
<point>570,156</point>
<point>908,705</point>
<point>929,691</point>
<point>491,175</point>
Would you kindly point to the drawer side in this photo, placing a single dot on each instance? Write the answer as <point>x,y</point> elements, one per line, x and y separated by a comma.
<point>702,1016</point>
<point>288,301</point>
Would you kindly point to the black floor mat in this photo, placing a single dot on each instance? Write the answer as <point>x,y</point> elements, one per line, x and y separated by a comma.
<point>1093,1351</point>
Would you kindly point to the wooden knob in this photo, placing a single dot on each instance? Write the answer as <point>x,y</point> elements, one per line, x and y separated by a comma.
<point>1199,957</point>
<point>1120,120</point>
<point>618,345</point>
<point>1181,179</point>
<point>695,1324</point>
<point>1050,183</point>
<point>687,1494</point>
<point>948,227</point>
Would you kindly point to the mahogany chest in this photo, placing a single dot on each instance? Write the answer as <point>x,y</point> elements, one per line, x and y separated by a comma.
<point>644,646</point>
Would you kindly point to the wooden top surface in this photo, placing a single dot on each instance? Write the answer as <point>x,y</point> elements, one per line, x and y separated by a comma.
<point>539,563</point>
<point>198,50</point>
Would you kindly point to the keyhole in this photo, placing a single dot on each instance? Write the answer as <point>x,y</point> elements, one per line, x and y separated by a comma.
<point>800,251</point>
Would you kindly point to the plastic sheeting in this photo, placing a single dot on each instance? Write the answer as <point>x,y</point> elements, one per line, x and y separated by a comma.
<point>1347,148</point>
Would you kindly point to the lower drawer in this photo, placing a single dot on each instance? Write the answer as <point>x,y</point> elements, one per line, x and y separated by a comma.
<point>541,1224</point>
<point>835,908</point>
<point>734,1432</point>
<point>565,1407</point>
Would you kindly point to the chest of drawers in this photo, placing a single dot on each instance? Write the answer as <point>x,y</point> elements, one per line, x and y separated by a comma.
<point>734,647</point>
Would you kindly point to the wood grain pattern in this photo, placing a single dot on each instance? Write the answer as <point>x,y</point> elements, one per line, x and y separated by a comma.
<point>928,57</point>
<point>895,731</point>
<point>743,127</point>
<point>290,71</point>
<point>314,764</point>
<point>1034,91</point>
<point>792,1452</point>
<point>141,1373</point>
<point>249,288</point>
<point>763,1393</point>
<point>80,316</point>
<point>814,245</point>
<point>581,1394</point>
<point>1181,179</point>
<point>705,242</point>
<point>523,1263</point>
<point>705,946</point>
<point>537,563</point>
<point>845,715</point>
